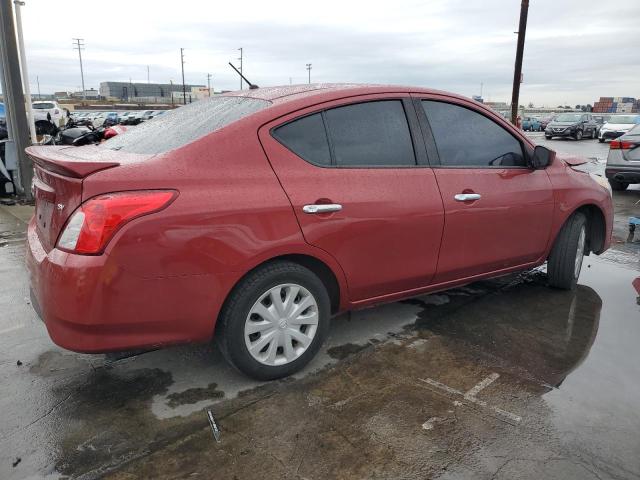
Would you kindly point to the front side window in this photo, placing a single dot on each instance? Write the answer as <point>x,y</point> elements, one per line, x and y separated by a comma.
<point>465,138</point>
<point>370,134</point>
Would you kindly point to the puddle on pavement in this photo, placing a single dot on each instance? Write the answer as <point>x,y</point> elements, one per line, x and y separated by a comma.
<point>194,395</point>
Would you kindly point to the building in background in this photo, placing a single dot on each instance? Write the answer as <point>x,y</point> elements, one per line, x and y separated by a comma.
<point>142,92</point>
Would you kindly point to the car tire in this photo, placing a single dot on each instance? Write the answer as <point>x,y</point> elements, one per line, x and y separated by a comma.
<point>565,260</point>
<point>601,140</point>
<point>578,135</point>
<point>249,308</point>
<point>617,186</point>
<point>548,137</point>
<point>594,134</point>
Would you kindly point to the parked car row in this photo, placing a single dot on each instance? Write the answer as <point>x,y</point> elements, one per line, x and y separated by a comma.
<point>586,125</point>
<point>107,118</point>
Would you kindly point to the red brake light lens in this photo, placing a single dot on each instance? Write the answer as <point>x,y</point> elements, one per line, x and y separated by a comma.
<point>95,222</point>
<point>621,145</point>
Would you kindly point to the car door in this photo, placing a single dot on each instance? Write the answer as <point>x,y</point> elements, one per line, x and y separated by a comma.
<point>356,174</point>
<point>498,212</point>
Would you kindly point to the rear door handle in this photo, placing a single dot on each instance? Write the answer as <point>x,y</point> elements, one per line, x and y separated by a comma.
<point>465,197</point>
<point>322,208</point>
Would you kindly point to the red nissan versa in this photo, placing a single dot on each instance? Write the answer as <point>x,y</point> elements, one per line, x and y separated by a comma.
<point>257,215</point>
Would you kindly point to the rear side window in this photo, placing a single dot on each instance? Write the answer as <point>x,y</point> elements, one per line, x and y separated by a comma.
<point>184,125</point>
<point>307,138</point>
<point>370,134</point>
<point>465,138</point>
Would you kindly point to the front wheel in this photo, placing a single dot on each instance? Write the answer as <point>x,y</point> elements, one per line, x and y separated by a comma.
<point>578,135</point>
<point>548,137</point>
<point>594,134</point>
<point>601,140</point>
<point>565,260</point>
<point>274,321</point>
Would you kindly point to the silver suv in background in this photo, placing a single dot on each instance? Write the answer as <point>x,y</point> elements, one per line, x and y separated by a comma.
<point>623,161</point>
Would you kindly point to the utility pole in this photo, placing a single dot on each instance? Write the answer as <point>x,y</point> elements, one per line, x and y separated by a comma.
<point>517,74</point>
<point>14,101</point>
<point>171,92</point>
<point>184,88</point>
<point>148,81</point>
<point>80,46</point>
<point>209,83</point>
<point>309,70</point>
<point>38,82</point>
<point>240,58</point>
<point>25,72</point>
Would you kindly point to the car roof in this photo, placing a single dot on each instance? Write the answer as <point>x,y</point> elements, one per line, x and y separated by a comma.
<point>289,93</point>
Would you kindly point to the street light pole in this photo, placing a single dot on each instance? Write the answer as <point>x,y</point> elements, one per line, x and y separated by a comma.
<point>517,74</point>
<point>14,99</point>
<point>309,70</point>
<point>38,82</point>
<point>209,83</point>
<point>80,46</point>
<point>25,72</point>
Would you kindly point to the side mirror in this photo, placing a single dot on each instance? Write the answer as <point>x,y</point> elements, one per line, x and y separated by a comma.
<point>541,158</point>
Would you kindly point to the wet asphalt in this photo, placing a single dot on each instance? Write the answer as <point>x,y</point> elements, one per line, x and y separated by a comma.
<point>500,379</point>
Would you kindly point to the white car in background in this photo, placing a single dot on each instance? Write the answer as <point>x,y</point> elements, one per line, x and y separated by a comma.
<point>617,126</point>
<point>57,114</point>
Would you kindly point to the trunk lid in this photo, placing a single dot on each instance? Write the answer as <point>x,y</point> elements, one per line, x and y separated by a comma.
<point>57,184</point>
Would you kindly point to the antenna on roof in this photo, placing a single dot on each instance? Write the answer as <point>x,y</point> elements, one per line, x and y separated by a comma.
<point>252,86</point>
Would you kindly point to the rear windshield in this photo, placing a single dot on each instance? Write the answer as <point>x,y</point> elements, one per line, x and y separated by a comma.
<point>43,106</point>
<point>184,125</point>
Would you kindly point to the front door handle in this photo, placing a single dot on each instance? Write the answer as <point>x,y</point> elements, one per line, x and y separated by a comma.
<point>322,208</point>
<point>465,197</point>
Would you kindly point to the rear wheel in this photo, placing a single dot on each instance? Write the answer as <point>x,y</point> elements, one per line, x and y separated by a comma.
<point>565,260</point>
<point>617,186</point>
<point>274,321</point>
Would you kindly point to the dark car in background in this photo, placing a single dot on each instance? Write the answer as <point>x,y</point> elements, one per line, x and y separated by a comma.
<point>546,121</point>
<point>623,161</point>
<point>574,125</point>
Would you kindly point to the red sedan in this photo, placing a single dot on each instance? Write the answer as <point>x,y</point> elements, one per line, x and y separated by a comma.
<point>255,216</point>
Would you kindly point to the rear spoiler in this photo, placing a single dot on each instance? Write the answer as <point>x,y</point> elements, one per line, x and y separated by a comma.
<point>54,160</point>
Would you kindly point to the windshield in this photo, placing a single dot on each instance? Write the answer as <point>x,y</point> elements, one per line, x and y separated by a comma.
<point>185,124</point>
<point>623,119</point>
<point>43,106</point>
<point>568,117</point>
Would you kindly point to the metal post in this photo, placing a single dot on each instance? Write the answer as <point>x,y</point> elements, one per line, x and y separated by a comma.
<point>25,72</point>
<point>148,81</point>
<point>14,98</point>
<point>184,88</point>
<point>517,74</point>
<point>240,67</point>
<point>80,46</point>
<point>38,82</point>
<point>209,83</point>
<point>309,70</point>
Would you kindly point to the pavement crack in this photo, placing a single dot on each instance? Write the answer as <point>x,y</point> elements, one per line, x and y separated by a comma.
<point>49,412</point>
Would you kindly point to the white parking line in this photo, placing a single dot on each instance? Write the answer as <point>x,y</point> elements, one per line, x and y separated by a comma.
<point>470,396</point>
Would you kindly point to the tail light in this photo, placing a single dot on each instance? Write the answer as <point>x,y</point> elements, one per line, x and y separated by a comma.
<point>95,222</point>
<point>621,145</point>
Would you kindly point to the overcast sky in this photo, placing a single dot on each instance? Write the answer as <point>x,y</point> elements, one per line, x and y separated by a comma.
<point>576,50</point>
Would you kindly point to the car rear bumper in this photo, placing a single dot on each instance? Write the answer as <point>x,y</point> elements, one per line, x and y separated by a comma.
<point>90,304</point>
<point>623,173</point>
